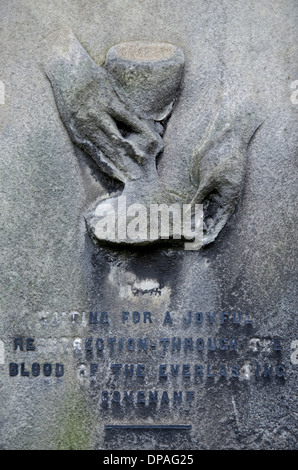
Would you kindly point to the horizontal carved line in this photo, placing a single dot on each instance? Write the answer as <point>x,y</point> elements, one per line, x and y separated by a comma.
<point>176,427</point>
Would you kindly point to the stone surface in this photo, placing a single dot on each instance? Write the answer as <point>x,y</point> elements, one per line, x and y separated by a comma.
<point>234,116</point>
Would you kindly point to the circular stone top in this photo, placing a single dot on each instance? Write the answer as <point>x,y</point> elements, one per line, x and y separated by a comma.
<point>143,52</point>
<point>146,76</point>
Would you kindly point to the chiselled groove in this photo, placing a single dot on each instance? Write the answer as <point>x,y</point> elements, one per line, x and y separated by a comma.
<point>167,427</point>
<point>254,134</point>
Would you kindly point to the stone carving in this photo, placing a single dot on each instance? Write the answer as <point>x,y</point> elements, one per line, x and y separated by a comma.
<point>117,114</point>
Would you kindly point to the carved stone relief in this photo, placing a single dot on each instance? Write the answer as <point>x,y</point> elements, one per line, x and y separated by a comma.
<point>117,114</point>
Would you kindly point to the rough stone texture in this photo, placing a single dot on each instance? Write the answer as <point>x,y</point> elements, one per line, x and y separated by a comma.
<point>243,56</point>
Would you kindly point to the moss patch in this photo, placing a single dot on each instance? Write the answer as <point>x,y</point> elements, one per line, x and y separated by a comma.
<point>75,424</point>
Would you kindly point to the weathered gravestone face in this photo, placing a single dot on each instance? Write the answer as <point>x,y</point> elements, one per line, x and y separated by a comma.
<point>148,242</point>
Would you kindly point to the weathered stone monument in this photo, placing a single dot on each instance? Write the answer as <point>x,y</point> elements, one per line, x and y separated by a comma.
<point>148,239</point>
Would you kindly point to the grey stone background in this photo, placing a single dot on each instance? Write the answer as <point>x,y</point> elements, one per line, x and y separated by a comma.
<point>50,268</point>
